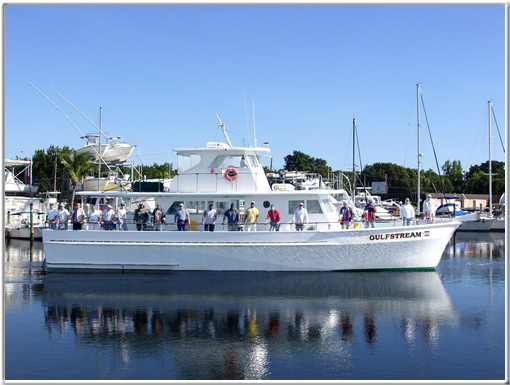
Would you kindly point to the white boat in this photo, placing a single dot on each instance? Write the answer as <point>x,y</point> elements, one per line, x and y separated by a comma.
<point>19,227</point>
<point>217,175</point>
<point>12,184</point>
<point>115,150</point>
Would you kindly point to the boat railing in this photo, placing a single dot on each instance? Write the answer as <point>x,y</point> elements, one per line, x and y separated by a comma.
<point>242,226</point>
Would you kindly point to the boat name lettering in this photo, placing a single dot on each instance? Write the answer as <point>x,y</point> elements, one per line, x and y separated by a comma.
<point>410,234</point>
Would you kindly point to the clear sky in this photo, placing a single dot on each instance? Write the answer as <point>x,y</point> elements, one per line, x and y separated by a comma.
<point>162,72</point>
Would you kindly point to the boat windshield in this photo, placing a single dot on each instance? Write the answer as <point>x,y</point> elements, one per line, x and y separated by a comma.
<point>188,161</point>
<point>237,161</point>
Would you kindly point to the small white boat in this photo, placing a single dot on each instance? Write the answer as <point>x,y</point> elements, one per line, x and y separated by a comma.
<point>115,150</point>
<point>222,175</point>
<point>19,227</point>
<point>12,184</point>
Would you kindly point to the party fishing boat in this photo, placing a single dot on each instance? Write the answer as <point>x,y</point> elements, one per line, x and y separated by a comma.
<point>222,175</point>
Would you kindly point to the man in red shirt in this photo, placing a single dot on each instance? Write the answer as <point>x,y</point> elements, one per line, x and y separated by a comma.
<point>273,217</point>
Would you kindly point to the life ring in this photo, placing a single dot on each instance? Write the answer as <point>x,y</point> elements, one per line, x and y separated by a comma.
<point>36,210</point>
<point>231,174</point>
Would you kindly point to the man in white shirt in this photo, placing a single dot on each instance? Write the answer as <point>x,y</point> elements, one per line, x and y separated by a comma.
<point>300,217</point>
<point>63,217</point>
<point>108,217</point>
<point>121,215</point>
<point>407,213</point>
<point>94,217</point>
<point>51,215</point>
<point>209,218</point>
<point>429,209</point>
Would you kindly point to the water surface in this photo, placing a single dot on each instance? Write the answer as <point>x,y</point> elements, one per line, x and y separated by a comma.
<point>447,324</point>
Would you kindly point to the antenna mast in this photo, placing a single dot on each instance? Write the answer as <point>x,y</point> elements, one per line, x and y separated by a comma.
<point>224,132</point>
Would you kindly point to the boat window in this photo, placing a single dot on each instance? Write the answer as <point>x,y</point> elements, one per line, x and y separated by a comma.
<point>188,162</point>
<point>313,206</point>
<point>293,205</point>
<point>226,161</point>
<point>221,207</point>
<point>327,205</point>
<point>195,207</point>
<point>254,161</point>
<point>174,208</point>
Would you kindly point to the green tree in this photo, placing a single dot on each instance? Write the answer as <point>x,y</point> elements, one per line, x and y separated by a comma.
<point>299,161</point>
<point>77,165</point>
<point>453,176</point>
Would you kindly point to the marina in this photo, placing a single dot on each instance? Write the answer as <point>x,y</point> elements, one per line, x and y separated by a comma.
<point>260,325</point>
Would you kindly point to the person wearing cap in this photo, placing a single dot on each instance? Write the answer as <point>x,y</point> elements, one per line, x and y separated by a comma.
<point>345,214</point>
<point>182,218</point>
<point>209,218</point>
<point>63,217</point>
<point>429,209</point>
<point>78,217</point>
<point>158,216</point>
<point>51,217</point>
<point>274,218</point>
<point>251,216</point>
<point>232,216</point>
<point>300,217</point>
<point>407,213</point>
<point>141,217</point>
<point>121,217</point>
<point>369,214</point>
<point>94,218</point>
<point>108,218</point>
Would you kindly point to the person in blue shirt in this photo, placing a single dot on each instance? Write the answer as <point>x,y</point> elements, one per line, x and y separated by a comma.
<point>232,215</point>
<point>345,213</point>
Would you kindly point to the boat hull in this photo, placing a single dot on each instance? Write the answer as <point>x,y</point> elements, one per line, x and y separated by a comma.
<point>414,247</point>
<point>24,232</point>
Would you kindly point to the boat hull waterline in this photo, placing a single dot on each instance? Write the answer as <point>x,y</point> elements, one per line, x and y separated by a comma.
<point>413,247</point>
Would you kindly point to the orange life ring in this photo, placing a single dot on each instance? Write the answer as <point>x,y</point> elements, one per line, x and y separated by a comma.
<point>231,174</point>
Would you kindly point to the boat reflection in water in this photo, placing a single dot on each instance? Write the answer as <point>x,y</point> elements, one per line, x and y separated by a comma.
<point>219,325</point>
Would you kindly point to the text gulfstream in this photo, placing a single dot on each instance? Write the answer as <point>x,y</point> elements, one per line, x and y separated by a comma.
<point>411,234</point>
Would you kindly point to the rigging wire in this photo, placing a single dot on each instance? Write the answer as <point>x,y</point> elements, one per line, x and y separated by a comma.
<point>498,129</point>
<point>432,142</point>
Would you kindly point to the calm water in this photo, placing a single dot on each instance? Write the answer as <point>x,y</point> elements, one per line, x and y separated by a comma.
<point>444,325</point>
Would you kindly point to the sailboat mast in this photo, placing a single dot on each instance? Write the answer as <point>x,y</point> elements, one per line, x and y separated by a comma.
<point>490,161</point>
<point>353,159</point>
<point>419,150</point>
<point>100,153</point>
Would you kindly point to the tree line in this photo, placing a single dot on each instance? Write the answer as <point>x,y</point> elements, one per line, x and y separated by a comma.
<point>404,180</point>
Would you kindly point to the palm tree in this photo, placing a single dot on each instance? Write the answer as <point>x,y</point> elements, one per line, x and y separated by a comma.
<point>77,165</point>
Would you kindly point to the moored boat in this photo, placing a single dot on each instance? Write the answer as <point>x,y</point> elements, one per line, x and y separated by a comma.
<point>223,175</point>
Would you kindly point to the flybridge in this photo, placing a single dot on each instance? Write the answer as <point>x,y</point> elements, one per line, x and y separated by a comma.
<point>220,167</point>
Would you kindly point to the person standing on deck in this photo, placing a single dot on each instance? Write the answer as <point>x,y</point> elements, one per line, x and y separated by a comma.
<point>121,216</point>
<point>274,218</point>
<point>232,215</point>
<point>63,217</point>
<point>209,218</point>
<point>369,213</point>
<point>251,217</point>
<point>159,218</point>
<point>345,214</point>
<point>51,215</point>
<point>181,218</point>
<point>429,209</point>
<point>141,217</point>
<point>94,218</point>
<point>78,217</point>
<point>407,213</point>
<point>108,218</point>
<point>300,217</point>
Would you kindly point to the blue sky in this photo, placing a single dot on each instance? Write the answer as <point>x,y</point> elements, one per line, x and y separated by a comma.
<point>162,72</point>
